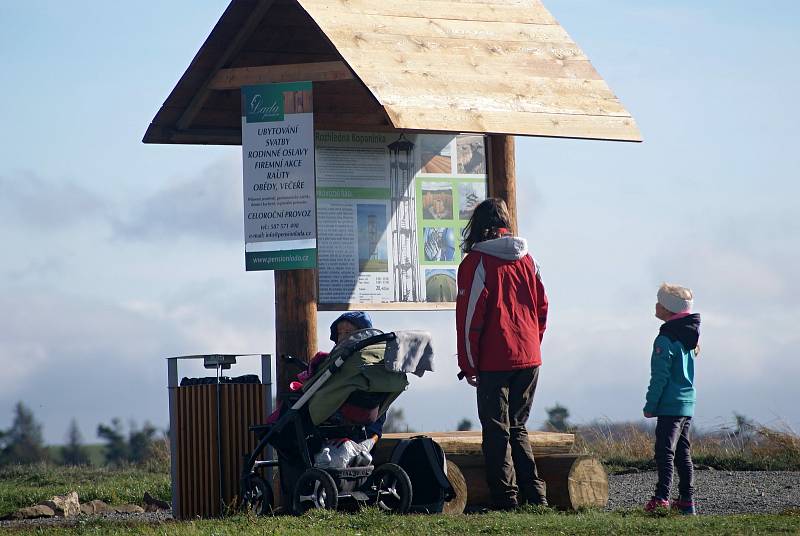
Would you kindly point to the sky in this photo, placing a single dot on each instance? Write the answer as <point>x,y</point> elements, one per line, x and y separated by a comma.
<point>117,254</point>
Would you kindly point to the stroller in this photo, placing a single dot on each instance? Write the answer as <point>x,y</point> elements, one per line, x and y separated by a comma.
<point>354,373</point>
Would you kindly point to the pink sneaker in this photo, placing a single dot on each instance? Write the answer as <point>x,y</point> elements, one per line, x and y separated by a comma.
<point>686,508</point>
<point>654,503</point>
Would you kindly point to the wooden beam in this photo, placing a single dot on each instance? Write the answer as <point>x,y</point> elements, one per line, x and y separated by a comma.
<point>470,442</point>
<point>502,174</point>
<point>487,11</point>
<point>325,71</point>
<point>232,49</point>
<point>295,321</point>
<point>205,136</point>
<point>580,126</point>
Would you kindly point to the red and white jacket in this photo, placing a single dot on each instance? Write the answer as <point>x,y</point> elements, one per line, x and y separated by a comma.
<point>501,308</point>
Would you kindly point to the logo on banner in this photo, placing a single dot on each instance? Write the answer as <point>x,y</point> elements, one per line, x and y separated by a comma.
<point>265,108</point>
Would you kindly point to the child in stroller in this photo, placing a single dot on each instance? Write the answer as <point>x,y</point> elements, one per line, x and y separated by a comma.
<point>341,328</point>
<point>350,388</point>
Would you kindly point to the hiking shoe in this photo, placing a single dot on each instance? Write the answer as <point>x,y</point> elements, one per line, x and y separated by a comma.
<point>686,508</point>
<point>539,501</point>
<point>655,503</point>
<point>505,506</point>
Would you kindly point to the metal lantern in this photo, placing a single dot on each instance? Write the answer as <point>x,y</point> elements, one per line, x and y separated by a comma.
<point>404,235</point>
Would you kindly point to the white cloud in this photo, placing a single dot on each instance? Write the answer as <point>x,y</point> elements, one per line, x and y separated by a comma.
<point>67,356</point>
<point>206,206</point>
<point>29,200</point>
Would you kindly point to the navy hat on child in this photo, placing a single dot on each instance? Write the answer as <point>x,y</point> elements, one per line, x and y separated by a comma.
<point>359,319</point>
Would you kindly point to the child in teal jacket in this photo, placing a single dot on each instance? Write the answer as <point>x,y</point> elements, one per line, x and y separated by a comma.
<point>671,395</point>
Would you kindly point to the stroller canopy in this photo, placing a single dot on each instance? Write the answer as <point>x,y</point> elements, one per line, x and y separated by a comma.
<point>363,370</point>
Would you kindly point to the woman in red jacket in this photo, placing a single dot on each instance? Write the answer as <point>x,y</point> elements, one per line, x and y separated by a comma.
<point>501,312</point>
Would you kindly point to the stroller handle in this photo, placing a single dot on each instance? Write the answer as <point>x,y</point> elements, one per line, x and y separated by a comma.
<point>289,359</point>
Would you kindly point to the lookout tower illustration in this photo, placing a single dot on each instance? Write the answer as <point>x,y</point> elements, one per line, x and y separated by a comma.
<point>373,235</point>
<point>407,285</point>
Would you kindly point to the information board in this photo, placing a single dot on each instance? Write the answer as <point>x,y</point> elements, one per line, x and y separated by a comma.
<point>278,170</point>
<point>391,210</point>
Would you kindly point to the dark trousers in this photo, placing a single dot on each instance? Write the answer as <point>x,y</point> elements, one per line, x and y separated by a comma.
<point>504,403</point>
<point>673,449</point>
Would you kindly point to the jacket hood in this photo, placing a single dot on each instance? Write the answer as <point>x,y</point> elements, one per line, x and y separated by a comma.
<point>510,248</point>
<point>685,330</point>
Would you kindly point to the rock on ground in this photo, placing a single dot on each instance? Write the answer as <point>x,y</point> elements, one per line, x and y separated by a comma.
<point>34,512</point>
<point>95,507</point>
<point>153,504</point>
<point>128,509</point>
<point>65,505</point>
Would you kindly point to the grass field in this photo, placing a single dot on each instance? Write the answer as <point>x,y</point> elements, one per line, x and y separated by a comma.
<point>370,522</point>
<point>22,486</point>
<point>621,447</point>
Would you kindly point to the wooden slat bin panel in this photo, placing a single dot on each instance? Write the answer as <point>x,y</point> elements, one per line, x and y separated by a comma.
<point>198,475</point>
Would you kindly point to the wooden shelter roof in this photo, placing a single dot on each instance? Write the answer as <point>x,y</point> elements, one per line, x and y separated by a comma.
<point>485,66</point>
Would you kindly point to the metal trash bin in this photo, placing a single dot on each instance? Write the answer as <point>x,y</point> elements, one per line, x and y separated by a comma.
<point>209,434</point>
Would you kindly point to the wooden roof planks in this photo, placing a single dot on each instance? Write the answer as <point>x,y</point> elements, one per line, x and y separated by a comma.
<point>485,66</point>
<point>479,66</point>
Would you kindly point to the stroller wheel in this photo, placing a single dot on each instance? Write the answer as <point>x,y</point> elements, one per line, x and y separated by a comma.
<point>315,489</point>
<point>393,491</point>
<point>257,495</point>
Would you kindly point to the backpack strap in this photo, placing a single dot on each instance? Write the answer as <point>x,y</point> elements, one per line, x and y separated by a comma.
<point>439,471</point>
<point>397,453</point>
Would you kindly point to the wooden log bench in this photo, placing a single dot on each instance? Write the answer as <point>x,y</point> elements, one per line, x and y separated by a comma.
<point>573,481</point>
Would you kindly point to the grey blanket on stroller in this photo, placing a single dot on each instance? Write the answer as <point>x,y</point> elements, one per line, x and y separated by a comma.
<point>410,351</point>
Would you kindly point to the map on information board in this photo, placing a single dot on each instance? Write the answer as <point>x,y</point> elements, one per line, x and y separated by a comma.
<point>390,212</point>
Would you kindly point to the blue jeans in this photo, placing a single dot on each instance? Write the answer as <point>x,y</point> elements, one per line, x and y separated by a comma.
<point>673,449</point>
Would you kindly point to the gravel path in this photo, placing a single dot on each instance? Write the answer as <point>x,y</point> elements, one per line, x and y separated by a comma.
<point>716,492</point>
<point>147,517</point>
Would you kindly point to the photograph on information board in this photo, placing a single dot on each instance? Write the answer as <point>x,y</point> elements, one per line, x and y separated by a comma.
<point>390,210</point>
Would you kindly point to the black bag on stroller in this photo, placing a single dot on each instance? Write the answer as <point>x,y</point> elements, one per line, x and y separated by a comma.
<point>424,461</point>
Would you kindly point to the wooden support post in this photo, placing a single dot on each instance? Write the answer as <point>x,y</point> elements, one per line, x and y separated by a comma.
<point>295,320</point>
<point>502,174</point>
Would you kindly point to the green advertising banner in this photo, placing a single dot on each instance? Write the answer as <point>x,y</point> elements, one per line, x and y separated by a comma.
<point>278,173</point>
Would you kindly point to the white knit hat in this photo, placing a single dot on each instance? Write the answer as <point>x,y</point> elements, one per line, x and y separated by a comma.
<point>667,297</point>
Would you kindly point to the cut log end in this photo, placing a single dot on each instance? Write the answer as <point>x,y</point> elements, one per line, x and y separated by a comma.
<point>457,504</point>
<point>587,484</point>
